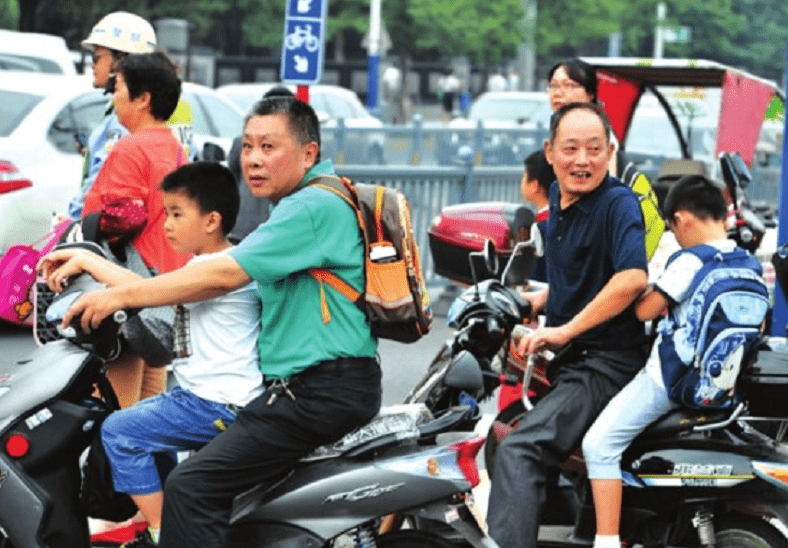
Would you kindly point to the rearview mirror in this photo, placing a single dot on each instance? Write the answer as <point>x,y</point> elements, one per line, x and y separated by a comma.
<point>741,170</point>
<point>523,259</point>
<point>484,263</point>
<point>212,152</point>
<point>464,373</point>
<point>520,264</point>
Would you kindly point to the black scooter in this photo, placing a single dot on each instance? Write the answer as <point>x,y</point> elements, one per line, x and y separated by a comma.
<point>404,479</point>
<point>693,478</point>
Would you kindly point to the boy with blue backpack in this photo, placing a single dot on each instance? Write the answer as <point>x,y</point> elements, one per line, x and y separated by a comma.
<point>716,303</point>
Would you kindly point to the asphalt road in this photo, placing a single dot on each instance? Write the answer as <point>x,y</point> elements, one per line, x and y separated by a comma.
<point>403,364</point>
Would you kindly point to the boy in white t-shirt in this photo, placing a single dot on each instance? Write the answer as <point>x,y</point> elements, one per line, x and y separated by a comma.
<point>216,360</point>
<point>696,212</point>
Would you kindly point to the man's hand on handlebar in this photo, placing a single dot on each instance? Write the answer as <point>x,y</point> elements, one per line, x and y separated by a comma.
<point>92,308</point>
<point>543,338</point>
<point>538,300</point>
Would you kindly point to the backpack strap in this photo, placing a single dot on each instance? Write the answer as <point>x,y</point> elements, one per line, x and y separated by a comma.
<point>343,188</point>
<point>708,253</point>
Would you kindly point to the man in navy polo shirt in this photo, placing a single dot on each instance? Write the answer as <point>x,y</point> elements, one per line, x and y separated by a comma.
<point>596,269</point>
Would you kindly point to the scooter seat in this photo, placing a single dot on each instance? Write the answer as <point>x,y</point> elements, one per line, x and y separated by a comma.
<point>34,381</point>
<point>682,420</point>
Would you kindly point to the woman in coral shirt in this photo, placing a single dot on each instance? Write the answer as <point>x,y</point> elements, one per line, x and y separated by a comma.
<point>124,205</point>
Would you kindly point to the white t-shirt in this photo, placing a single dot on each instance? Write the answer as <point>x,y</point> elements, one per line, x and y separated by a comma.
<point>216,345</point>
<point>674,282</point>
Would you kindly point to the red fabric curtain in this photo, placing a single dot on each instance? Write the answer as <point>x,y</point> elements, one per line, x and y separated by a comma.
<point>618,97</point>
<point>744,103</point>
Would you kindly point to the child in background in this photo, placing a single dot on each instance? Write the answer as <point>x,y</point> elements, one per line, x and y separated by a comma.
<point>216,360</point>
<point>696,212</point>
<point>535,187</point>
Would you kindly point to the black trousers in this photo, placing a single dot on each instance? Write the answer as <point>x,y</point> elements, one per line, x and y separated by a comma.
<point>330,399</point>
<point>547,435</point>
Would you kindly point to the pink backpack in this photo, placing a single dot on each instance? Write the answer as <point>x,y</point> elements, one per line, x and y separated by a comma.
<point>18,276</point>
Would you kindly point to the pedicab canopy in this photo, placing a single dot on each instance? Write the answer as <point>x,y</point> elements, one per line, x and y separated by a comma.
<point>745,98</point>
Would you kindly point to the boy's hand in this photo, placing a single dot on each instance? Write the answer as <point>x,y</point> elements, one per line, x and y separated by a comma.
<point>59,266</point>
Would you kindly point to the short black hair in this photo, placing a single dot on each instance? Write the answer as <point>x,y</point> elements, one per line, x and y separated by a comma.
<point>156,74</point>
<point>211,185</point>
<point>537,167</point>
<point>559,114</point>
<point>301,117</point>
<point>578,71</point>
<point>278,91</point>
<point>697,194</point>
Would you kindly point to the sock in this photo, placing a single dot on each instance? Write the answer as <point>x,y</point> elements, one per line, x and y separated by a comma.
<point>154,534</point>
<point>607,541</point>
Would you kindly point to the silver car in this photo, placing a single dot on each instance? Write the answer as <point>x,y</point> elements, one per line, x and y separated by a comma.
<point>336,108</point>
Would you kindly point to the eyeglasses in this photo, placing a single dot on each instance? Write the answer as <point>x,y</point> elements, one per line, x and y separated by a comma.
<point>96,57</point>
<point>565,86</point>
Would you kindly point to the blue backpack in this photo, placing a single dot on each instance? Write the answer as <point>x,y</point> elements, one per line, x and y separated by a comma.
<point>701,359</point>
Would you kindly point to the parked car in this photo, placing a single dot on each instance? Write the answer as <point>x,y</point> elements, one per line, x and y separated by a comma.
<point>33,51</point>
<point>42,118</point>
<point>512,123</point>
<point>332,104</point>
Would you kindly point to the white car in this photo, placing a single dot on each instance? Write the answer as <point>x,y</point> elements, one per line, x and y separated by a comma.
<point>509,111</point>
<point>42,117</point>
<point>35,52</point>
<point>331,103</point>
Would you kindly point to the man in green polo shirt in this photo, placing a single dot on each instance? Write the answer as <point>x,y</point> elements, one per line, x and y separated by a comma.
<point>316,351</point>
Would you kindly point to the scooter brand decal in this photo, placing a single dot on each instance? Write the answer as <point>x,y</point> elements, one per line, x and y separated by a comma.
<point>702,470</point>
<point>696,475</point>
<point>699,482</point>
<point>362,493</point>
<point>36,420</point>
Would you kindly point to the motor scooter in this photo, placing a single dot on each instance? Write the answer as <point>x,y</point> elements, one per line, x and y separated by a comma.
<point>693,478</point>
<point>405,478</point>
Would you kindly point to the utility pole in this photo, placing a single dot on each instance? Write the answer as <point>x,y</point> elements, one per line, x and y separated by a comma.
<point>373,61</point>
<point>526,52</point>
<point>659,30</point>
<point>780,311</point>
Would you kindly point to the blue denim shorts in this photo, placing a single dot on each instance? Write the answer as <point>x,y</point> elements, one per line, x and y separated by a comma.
<point>164,424</point>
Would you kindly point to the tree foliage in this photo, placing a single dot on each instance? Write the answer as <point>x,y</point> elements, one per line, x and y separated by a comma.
<point>747,33</point>
<point>486,32</point>
<point>568,27</point>
<point>9,14</point>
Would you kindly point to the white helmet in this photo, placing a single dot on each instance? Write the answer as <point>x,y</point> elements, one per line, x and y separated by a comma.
<point>122,31</point>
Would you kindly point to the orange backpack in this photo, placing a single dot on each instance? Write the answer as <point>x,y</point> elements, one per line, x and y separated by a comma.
<point>395,298</point>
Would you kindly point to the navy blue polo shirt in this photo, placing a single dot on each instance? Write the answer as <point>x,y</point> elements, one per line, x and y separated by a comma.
<point>596,237</point>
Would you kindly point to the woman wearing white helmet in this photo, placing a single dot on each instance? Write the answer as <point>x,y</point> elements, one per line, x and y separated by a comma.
<point>115,36</point>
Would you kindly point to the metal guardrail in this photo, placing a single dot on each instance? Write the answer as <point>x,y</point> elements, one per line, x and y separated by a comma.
<point>431,143</point>
<point>430,189</point>
<point>436,144</point>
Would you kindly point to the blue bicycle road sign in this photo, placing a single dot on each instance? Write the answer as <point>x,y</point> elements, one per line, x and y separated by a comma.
<point>302,45</point>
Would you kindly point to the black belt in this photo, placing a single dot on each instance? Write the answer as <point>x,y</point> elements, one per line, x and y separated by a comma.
<point>336,366</point>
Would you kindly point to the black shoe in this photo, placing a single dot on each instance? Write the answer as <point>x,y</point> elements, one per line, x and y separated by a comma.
<point>143,540</point>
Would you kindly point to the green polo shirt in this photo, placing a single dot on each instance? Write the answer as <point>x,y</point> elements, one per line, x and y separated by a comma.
<point>310,228</point>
